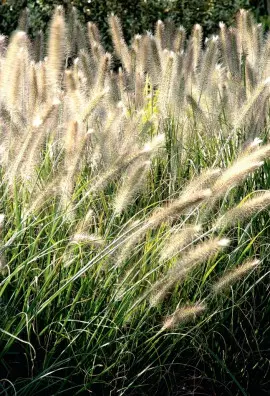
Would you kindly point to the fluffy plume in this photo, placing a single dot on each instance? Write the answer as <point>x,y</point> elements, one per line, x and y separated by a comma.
<point>56,49</point>
<point>177,207</point>
<point>246,209</point>
<point>88,239</point>
<point>93,34</point>
<point>103,71</point>
<point>3,262</point>
<point>189,261</point>
<point>230,277</point>
<point>178,241</point>
<point>251,160</point>
<point>120,45</point>
<point>76,130</point>
<point>2,219</point>
<point>183,315</point>
<point>179,40</point>
<point>131,185</point>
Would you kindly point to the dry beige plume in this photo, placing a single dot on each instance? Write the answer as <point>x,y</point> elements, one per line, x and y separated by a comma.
<point>202,181</point>
<point>119,43</point>
<point>90,239</point>
<point>56,49</point>
<point>2,219</point>
<point>248,162</point>
<point>132,183</point>
<point>181,269</point>
<point>178,207</point>
<point>234,275</point>
<point>160,215</point>
<point>200,253</point>
<point>178,241</point>
<point>244,210</point>
<point>93,33</point>
<point>123,162</point>
<point>183,315</point>
<point>234,176</point>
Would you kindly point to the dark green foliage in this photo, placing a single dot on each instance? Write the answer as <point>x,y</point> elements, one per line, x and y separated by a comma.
<point>136,16</point>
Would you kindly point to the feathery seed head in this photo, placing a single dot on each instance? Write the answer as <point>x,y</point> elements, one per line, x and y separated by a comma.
<point>93,33</point>
<point>87,239</point>
<point>133,182</point>
<point>256,142</point>
<point>183,315</point>
<point>155,143</point>
<point>70,81</point>
<point>232,276</point>
<point>244,210</point>
<point>179,240</point>
<point>37,122</point>
<point>203,181</point>
<point>2,219</point>
<point>3,262</point>
<point>234,175</point>
<point>119,43</point>
<point>56,48</point>
<point>137,41</point>
<point>224,242</point>
<point>177,207</point>
<point>194,256</point>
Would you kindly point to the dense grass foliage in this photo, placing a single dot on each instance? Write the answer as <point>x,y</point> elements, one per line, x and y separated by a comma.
<point>137,16</point>
<point>134,222</point>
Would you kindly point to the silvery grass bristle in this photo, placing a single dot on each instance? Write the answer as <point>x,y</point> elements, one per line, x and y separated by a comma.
<point>133,182</point>
<point>196,42</point>
<point>89,239</point>
<point>104,67</point>
<point>2,45</point>
<point>183,315</point>
<point>2,220</point>
<point>33,89</point>
<point>57,118</point>
<point>208,63</point>
<point>249,37</point>
<point>179,240</point>
<point>123,162</point>
<point>12,76</point>
<point>248,162</point>
<point>88,67</point>
<point>56,50</point>
<point>160,35</point>
<point>120,46</point>
<point>244,210</point>
<point>161,215</point>
<point>181,269</point>
<point>179,39</point>
<point>3,263</point>
<point>38,47</point>
<point>93,34</point>
<point>258,97</point>
<point>234,275</point>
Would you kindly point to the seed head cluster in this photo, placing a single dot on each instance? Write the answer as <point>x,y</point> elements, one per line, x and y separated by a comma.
<point>84,137</point>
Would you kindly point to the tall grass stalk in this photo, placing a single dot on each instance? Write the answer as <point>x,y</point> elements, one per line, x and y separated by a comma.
<point>120,188</point>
